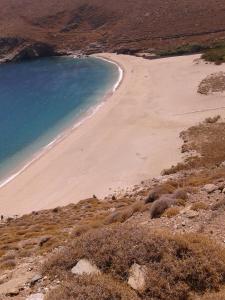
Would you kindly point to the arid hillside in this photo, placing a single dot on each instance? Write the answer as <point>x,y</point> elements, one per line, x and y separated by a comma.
<point>143,24</point>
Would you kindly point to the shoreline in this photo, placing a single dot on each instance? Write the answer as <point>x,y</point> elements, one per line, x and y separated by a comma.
<point>133,137</point>
<point>61,136</point>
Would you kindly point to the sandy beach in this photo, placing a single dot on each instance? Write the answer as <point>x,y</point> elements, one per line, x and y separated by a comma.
<point>131,138</point>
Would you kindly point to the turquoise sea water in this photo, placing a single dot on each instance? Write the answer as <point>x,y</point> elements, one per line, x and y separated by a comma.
<point>39,99</point>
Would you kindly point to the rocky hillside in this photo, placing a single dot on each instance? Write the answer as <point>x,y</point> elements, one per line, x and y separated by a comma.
<point>97,25</point>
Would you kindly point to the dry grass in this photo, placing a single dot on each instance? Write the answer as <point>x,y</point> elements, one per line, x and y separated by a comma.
<point>207,141</point>
<point>171,212</point>
<point>40,232</point>
<point>100,287</point>
<point>212,296</point>
<point>203,177</point>
<point>214,83</point>
<point>177,265</point>
<point>199,206</point>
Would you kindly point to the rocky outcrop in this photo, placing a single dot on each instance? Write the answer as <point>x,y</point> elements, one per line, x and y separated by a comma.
<point>9,44</point>
<point>15,49</point>
<point>210,188</point>
<point>33,50</point>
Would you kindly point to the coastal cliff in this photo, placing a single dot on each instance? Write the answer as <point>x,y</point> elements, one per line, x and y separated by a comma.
<point>14,49</point>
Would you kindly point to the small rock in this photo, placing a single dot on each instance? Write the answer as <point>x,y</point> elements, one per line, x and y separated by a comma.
<point>221,186</point>
<point>223,191</point>
<point>44,240</point>
<point>35,279</point>
<point>137,277</point>
<point>3,278</point>
<point>13,292</point>
<point>209,188</point>
<point>191,214</point>
<point>38,296</point>
<point>85,267</point>
<point>112,209</point>
<point>222,164</point>
<point>139,198</point>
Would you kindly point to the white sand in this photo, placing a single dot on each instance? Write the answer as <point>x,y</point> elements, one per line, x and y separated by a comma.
<point>131,138</point>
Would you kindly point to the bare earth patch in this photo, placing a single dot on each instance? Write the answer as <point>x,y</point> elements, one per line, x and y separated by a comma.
<point>214,83</point>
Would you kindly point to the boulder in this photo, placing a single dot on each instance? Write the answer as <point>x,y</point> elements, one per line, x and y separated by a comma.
<point>210,188</point>
<point>137,277</point>
<point>35,279</point>
<point>85,267</point>
<point>38,296</point>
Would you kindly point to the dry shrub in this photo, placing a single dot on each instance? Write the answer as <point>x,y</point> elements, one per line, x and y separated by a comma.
<point>175,169</point>
<point>171,212</point>
<point>83,228</point>
<point>215,54</point>
<point>159,191</point>
<point>138,206</point>
<point>120,216</point>
<point>199,206</point>
<point>7,264</point>
<point>181,202</point>
<point>160,205</point>
<point>212,119</point>
<point>100,287</point>
<point>177,265</point>
<point>212,296</point>
<point>181,193</point>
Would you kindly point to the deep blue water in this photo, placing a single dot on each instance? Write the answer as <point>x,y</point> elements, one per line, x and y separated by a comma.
<point>41,98</point>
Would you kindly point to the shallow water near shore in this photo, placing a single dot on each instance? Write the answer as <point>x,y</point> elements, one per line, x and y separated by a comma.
<point>41,100</point>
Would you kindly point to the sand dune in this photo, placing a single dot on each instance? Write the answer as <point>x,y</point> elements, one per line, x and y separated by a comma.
<point>131,138</point>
